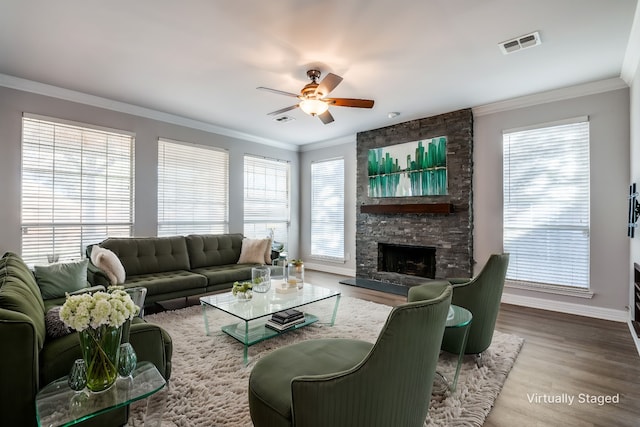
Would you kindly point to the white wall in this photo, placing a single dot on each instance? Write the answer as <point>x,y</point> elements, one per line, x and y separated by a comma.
<point>634,177</point>
<point>347,150</point>
<point>147,131</point>
<point>609,133</point>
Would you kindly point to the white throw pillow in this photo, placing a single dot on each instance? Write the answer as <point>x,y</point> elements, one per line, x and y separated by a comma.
<point>253,251</point>
<point>267,253</point>
<point>108,262</point>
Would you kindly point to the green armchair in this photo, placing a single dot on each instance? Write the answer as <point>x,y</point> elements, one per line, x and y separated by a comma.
<point>346,382</point>
<point>481,296</point>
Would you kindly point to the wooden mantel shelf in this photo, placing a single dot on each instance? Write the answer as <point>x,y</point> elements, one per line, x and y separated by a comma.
<point>418,208</point>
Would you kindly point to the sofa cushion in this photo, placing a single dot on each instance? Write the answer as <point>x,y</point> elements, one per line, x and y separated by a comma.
<point>270,380</point>
<point>108,262</point>
<point>15,296</point>
<point>55,280</point>
<point>12,265</point>
<point>57,357</point>
<point>168,283</point>
<point>148,255</point>
<point>225,274</point>
<point>207,250</point>
<point>254,250</point>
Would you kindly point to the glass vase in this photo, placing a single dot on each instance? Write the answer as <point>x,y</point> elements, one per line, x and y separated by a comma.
<point>100,347</point>
<point>77,379</point>
<point>296,275</point>
<point>261,279</point>
<point>127,359</point>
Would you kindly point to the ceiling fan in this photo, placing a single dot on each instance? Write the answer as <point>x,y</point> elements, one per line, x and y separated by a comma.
<point>312,97</point>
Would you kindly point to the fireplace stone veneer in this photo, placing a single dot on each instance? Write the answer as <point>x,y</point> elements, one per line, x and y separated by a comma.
<point>449,231</point>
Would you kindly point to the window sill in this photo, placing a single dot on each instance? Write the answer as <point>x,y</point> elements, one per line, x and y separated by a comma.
<point>551,289</point>
<point>327,259</point>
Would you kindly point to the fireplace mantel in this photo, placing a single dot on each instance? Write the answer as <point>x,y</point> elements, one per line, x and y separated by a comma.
<point>416,208</point>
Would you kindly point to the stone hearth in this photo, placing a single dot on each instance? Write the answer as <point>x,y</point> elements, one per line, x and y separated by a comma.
<point>449,231</point>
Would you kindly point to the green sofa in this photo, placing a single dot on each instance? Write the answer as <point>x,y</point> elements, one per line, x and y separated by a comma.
<point>177,266</point>
<point>30,358</point>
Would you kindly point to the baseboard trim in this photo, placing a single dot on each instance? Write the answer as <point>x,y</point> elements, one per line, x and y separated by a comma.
<point>567,307</point>
<point>330,269</point>
<point>636,340</point>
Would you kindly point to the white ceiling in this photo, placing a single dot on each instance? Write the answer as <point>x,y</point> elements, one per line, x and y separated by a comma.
<point>203,59</point>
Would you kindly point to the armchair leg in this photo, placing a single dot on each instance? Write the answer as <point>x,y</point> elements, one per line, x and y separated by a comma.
<point>479,360</point>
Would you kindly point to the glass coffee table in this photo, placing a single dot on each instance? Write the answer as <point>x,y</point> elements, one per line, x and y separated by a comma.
<point>59,405</point>
<point>256,311</point>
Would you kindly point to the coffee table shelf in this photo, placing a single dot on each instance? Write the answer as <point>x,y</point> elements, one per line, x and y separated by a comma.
<point>260,332</point>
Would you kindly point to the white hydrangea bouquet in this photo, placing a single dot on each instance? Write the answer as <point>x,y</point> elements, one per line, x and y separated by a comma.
<point>98,318</point>
<point>111,308</point>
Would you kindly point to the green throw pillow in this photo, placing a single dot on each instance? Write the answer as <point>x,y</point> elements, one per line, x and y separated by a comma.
<point>57,279</point>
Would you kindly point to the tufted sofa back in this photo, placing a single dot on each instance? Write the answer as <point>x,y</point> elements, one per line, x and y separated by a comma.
<point>207,250</point>
<point>147,255</point>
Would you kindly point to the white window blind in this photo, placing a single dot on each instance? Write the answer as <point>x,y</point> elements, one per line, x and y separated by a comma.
<point>193,189</point>
<point>266,198</point>
<point>77,188</point>
<point>327,209</point>
<point>546,204</point>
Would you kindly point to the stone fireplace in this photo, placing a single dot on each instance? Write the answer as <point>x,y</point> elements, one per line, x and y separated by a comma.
<point>440,226</point>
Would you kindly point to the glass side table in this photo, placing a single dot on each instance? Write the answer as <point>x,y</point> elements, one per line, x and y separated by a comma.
<point>59,405</point>
<point>458,317</point>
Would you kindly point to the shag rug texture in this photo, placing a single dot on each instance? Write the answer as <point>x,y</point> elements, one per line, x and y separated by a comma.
<point>209,380</point>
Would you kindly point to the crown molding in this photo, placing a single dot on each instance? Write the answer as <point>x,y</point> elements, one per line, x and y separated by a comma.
<point>347,139</point>
<point>18,83</point>
<point>570,92</point>
<point>632,54</point>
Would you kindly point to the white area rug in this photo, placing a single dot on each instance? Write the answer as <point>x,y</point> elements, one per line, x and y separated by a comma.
<point>209,381</point>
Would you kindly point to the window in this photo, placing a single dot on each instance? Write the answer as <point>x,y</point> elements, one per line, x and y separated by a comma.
<point>77,187</point>
<point>266,198</point>
<point>327,209</point>
<point>193,189</point>
<point>546,204</point>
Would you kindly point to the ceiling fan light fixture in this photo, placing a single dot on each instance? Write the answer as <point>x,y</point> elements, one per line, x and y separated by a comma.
<point>313,107</point>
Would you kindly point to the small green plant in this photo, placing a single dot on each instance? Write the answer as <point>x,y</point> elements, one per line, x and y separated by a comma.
<point>297,262</point>
<point>241,287</point>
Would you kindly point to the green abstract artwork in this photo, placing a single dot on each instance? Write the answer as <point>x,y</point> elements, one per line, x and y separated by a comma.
<point>417,168</point>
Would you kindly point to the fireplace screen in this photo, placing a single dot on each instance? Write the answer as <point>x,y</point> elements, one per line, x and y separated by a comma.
<point>407,259</point>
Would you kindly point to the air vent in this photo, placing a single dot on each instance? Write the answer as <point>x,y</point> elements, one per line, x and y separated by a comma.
<point>284,119</point>
<point>519,43</point>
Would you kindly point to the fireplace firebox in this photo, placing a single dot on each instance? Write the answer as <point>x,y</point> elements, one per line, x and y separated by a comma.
<point>407,259</point>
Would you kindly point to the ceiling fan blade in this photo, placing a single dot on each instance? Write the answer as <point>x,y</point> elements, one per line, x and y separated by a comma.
<point>279,92</point>
<point>350,102</point>
<point>328,84</point>
<point>326,117</point>
<point>283,110</point>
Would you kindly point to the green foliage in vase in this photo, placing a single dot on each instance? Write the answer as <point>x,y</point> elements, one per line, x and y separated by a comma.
<point>241,287</point>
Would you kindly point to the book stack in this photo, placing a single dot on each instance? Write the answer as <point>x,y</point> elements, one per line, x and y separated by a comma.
<point>283,320</point>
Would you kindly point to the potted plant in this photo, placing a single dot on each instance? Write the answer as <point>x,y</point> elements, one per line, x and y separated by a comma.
<point>242,291</point>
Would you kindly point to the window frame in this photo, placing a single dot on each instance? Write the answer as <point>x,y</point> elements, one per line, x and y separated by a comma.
<point>275,226</point>
<point>56,192</point>
<point>323,205</point>
<point>556,199</point>
<point>188,212</point>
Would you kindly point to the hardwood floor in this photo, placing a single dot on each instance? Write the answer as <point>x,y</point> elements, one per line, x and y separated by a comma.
<point>563,357</point>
